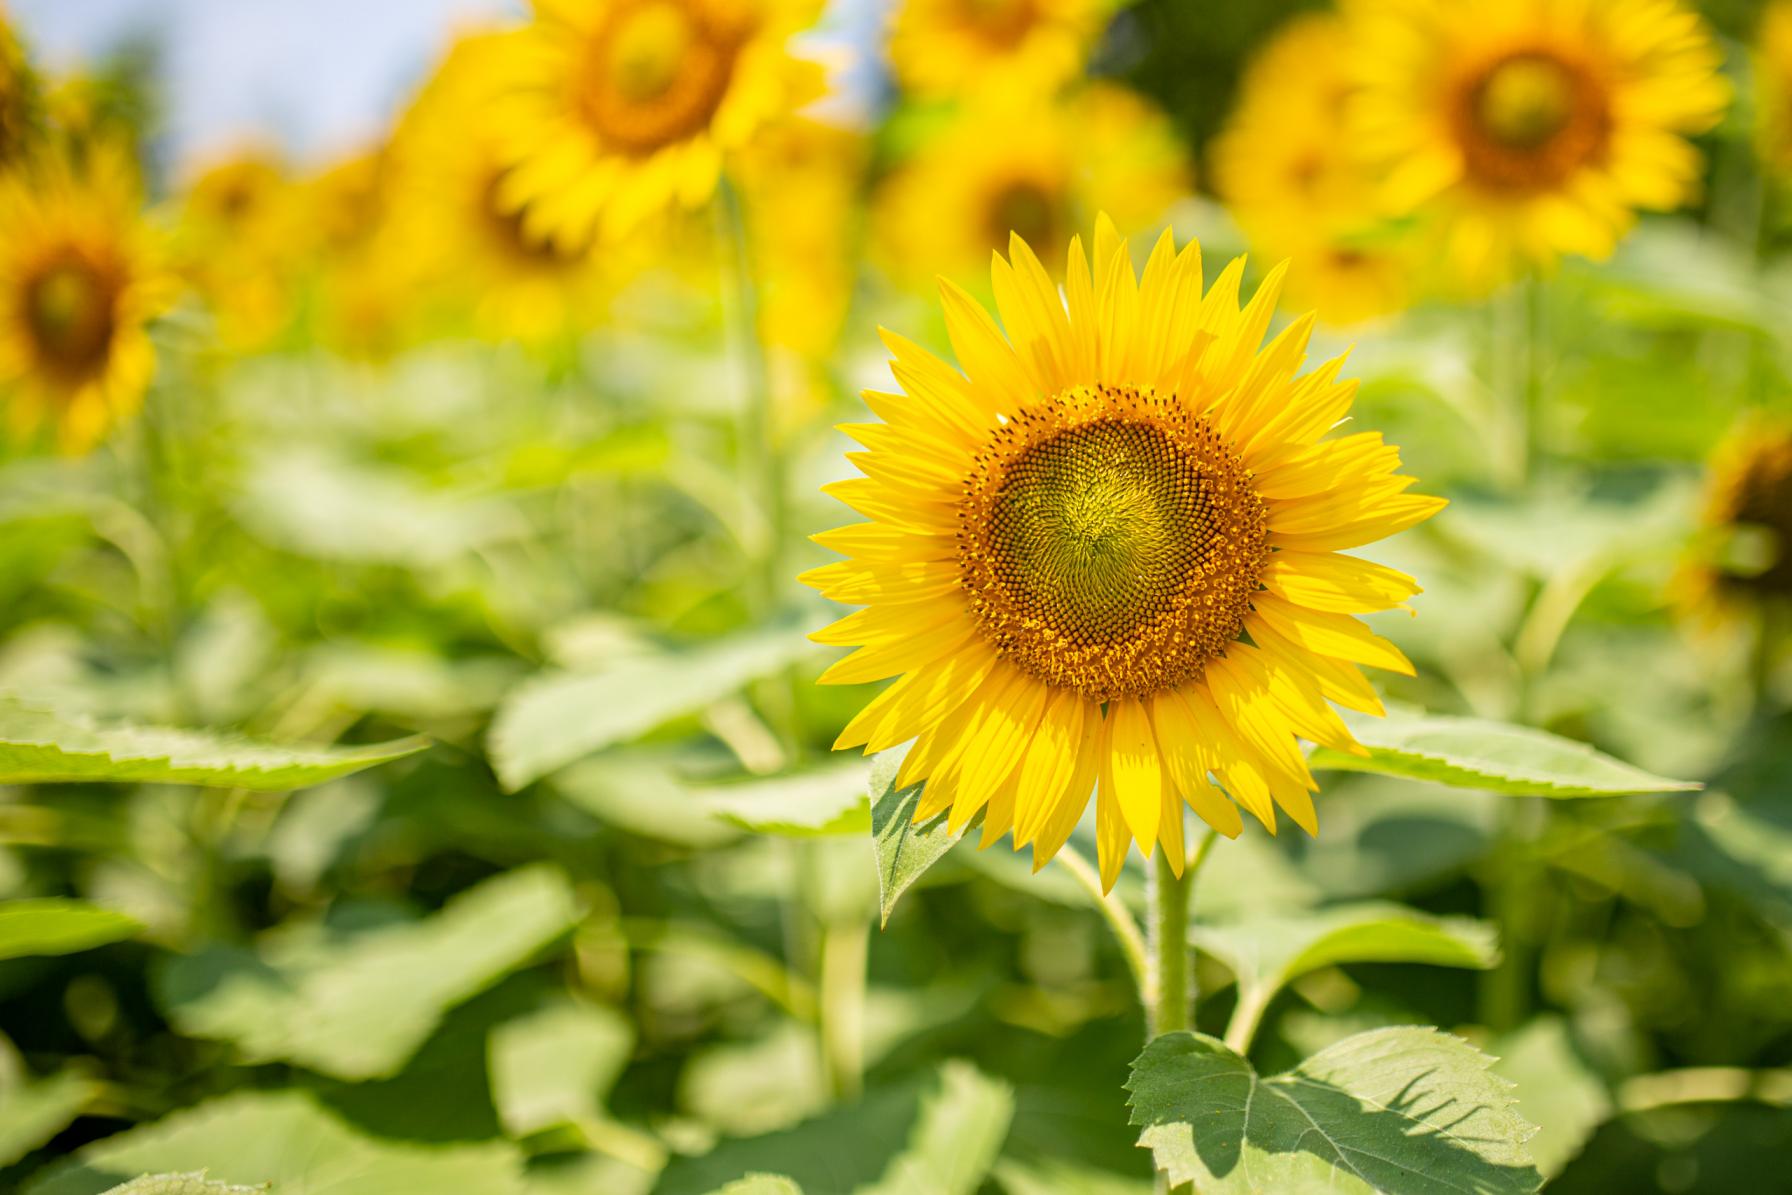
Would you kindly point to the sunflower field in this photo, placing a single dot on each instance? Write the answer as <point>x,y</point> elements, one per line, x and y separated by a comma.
<point>904,597</point>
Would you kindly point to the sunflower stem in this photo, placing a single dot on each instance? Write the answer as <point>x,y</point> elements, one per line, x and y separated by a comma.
<point>1114,911</point>
<point>845,946</point>
<point>1168,1008</point>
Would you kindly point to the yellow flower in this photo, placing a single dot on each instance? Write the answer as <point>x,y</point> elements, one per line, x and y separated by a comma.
<point>1773,86</point>
<point>615,110</point>
<point>81,276</point>
<point>1526,129</point>
<point>366,281</point>
<point>1742,560</point>
<point>1035,166</point>
<point>1284,166</point>
<point>975,47</point>
<point>1112,555</point>
<point>241,240</point>
<point>484,257</point>
<point>19,98</point>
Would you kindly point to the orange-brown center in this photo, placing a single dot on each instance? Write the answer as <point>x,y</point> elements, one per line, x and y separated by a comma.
<point>1529,120</point>
<point>655,71</point>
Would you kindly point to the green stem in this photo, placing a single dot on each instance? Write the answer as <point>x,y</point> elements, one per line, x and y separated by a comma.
<point>1168,1008</point>
<point>1114,911</point>
<point>844,949</point>
<point>762,465</point>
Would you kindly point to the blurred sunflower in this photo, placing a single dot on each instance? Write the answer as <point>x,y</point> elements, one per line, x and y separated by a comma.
<point>975,47</point>
<point>1112,555</point>
<point>81,276</point>
<point>1036,166</point>
<point>365,281</point>
<point>614,110</point>
<point>1742,558</point>
<point>1526,129</point>
<point>239,244</point>
<point>19,99</point>
<point>1283,165</point>
<point>1773,86</point>
<point>489,260</point>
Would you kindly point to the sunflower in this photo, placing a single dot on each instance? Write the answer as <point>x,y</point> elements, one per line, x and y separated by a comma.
<point>19,97</point>
<point>1284,166</point>
<point>81,276</point>
<point>485,261</point>
<point>614,110</point>
<point>1112,555</point>
<point>962,47</point>
<point>241,238</point>
<point>1036,166</point>
<point>1742,558</point>
<point>1773,86</point>
<point>1526,129</point>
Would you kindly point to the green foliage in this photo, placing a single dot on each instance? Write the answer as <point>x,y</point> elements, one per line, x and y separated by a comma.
<point>1472,753</point>
<point>38,746</point>
<point>55,926</point>
<point>357,1004</point>
<point>34,1110</point>
<point>761,1184</point>
<point>283,1140</point>
<point>554,1067</point>
<point>904,850</point>
<point>181,1184</point>
<point>823,803</point>
<point>1402,1111</point>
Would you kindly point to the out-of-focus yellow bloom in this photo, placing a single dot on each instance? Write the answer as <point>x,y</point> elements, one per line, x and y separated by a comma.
<point>614,111</point>
<point>973,47</point>
<point>1742,559</point>
<point>81,276</point>
<point>1526,129</point>
<point>482,257</point>
<point>19,99</point>
<point>365,280</point>
<point>1035,166</point>
<point>1107,551</point>
<point>241,240</point>
<point>1773,87</point>
<point>1285,167</point>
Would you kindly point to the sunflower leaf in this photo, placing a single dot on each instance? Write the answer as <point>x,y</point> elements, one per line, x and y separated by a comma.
<point>56,926</point>
<point>826,802</point>
<point>1492,756</point>
<point>34,1110</point>
<point>192,1183</point>
<point>760,1184</point>
<point>905,850</point>
<point>1403,1111</point>
<point>38,746</point>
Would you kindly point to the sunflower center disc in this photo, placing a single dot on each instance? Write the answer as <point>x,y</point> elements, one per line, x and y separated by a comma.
<point>656,72</point>
<point>68,307</point>
<point>1530,120</point>
<point>1110,542</point>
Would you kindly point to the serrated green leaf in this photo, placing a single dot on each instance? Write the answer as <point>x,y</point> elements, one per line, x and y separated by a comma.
<point>359,1008</point>
<point>826,802</point>
<point>57,926</point>
<point>283,1140</point>
<point>935,1137</point>
<point>555,1066</point>
<point>38,746</point>
<point>34,1110</point>
<point>556,719</point>
<point>761,1184</point>
<point>1557,1091</point>
<point>1405,1111</point>
<point>194,1183</point>
<point>904,850</point>
<point>1493,756</point>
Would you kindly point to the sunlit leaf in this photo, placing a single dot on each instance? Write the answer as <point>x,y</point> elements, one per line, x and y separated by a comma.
<point>761,1184</point>
<point>183,1184</point>
<point>359,1007</point>
<point>1271,951</point>
<point>821,803</point>
<point>936,1137</point>
<point>38,746</point>
<point>555,1066</point>
<point>34,1110</point>
<point>557,718</point>
<point>56,926</point>
<point>1494,756</point>
<point>904,850</point>
<point>1557,1090</point>
<point>1406,1111</point>
<point>283,1140</point>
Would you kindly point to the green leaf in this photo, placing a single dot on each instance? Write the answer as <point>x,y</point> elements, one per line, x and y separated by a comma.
<point>56,926</point>
<point>904,850</point>
<point>38,746</point>
<point>826,802</point>
<point>194,1183</point>
<point>34,1110</point>
<point>556,719</point>
<point>283,1139</point>
<point>1494,756</point>
<point>358,1007</point>
<point>555,1066</point>
<point>1051,1176</point>
<point>1405,1111</point>
<point>1556,1090</point>
<point>761,1184</point>
<point>939,1136</point>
